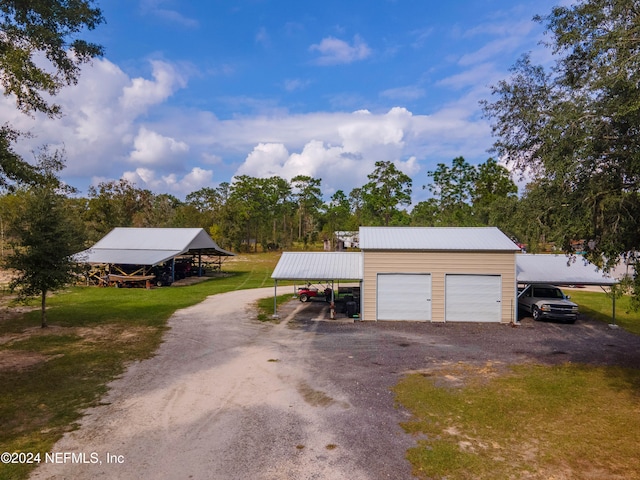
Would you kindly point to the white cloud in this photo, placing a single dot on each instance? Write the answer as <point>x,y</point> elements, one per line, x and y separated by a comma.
<point>152,148</point>
<point>196,179</point>
<point>143,93</point>
<point>334,51</point>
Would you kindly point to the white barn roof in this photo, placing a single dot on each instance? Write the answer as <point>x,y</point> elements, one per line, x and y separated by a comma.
<point>318,266</point>
<point>149,246</point>
<point>559,270</point>
<point>435,238</point>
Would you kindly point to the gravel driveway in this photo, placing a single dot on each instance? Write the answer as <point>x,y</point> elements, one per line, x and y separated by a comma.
<point>227,397</point>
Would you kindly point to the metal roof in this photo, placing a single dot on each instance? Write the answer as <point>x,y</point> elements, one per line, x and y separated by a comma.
<point>318,266</point>
<point>435,238</point>
<point>149,246</point>
<point>559,270</point>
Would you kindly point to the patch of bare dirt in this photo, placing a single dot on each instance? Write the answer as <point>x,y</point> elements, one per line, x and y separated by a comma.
<point>18,360</point>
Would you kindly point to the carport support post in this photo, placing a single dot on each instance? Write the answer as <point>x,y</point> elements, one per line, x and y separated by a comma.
<point>275,299</point>
<point>613,305</point>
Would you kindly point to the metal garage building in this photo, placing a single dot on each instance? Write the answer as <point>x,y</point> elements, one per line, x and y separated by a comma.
<point>438,274</point>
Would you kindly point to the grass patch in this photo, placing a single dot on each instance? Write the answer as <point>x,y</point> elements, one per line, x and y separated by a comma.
<point>534,422</point>
<point>265,306</point>
<point>49,376</point>
<point>598,305</point>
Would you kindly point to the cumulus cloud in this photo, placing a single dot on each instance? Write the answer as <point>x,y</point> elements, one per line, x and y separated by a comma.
<point>152,148</point>
<point>334,51</point>
<point>362,138</point>
<point>143,93</point>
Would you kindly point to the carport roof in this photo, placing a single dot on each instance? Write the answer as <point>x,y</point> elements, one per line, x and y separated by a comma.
<point>318,266</point>
<point>559,270</point>
<point>149,246</point>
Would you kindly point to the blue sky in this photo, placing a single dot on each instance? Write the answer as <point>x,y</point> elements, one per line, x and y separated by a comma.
<point>192,92</point>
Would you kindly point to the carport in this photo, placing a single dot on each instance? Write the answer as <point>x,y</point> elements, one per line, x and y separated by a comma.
<point>317,266</point>
<point>562,270</point>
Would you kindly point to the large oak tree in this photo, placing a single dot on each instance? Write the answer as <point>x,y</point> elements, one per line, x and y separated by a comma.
<point>41,51</point>
<point>575,127</point>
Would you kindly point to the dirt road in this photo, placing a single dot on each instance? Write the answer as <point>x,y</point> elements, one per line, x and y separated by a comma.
<point>225,398</point>
<point>229,398</point>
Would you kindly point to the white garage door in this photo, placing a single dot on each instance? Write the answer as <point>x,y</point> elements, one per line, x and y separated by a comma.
<point>473,298</point>
<point>404,297</point>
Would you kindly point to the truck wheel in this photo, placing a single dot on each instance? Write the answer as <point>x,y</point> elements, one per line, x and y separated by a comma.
<point>304,297</point>
<point>535,313</point>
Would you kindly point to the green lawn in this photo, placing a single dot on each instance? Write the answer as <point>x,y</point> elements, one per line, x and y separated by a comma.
<point>599,306</point>
<point>93,334</point>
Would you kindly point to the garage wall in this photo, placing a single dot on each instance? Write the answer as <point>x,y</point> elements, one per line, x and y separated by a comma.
<point>438,264</point>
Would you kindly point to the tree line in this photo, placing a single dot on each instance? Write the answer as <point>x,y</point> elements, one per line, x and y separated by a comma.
<point>259,214</point>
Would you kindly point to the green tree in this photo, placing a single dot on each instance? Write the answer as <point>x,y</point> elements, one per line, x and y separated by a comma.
<point>115,204</point>
<point>388,189</point>
<point>46,236</point>
<point>308,195</point>
<point>337,215</point>
<point>576,127</point>
<point>426,214</point>
<point>494,195</point>
<point>453,189</point>
<point>246,201</point>
<point>31,29</point>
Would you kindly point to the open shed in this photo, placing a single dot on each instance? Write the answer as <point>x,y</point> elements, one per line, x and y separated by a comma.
<point>148,247</point>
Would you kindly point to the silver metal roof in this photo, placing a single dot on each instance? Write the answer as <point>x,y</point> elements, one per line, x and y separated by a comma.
<point>319,266</point>
<point>559,270</point>
<point>149,246</point>
<point>435,238</point>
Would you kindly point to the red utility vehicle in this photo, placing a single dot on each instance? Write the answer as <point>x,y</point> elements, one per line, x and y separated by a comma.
<point>309,292</point>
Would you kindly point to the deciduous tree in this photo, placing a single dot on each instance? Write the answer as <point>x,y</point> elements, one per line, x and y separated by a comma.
<point>576,127</point>
<point>40,52</point>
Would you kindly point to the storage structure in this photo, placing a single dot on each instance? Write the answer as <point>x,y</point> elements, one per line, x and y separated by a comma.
<point>435,274</point>
<point>438,274</point>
